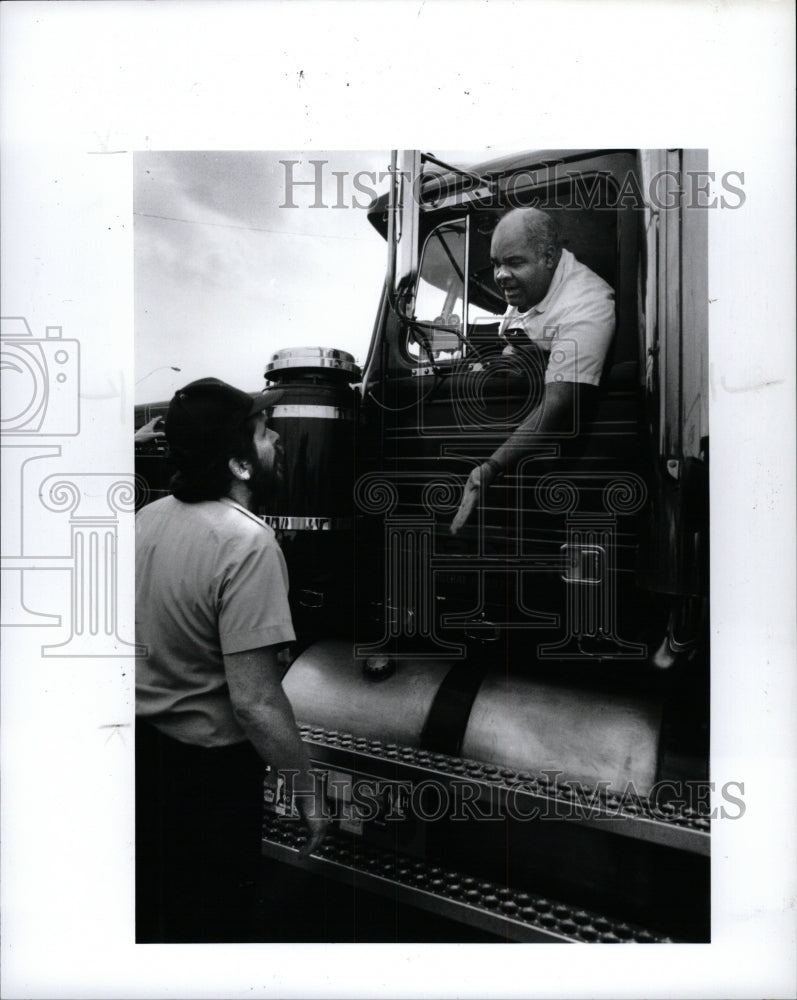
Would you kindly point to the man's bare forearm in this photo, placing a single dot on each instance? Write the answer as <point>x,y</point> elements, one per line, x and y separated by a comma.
<point>271,729</point>
<point>519,443</point>
<point>557,413</point>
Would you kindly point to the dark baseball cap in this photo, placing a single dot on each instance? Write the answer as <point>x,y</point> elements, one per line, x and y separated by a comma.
<point>203,416</point>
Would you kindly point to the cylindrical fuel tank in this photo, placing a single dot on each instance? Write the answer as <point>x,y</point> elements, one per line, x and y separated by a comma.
<point>328,687</point>
<point>313,509</point>
<point>585,735</point>
<point>315,421</point>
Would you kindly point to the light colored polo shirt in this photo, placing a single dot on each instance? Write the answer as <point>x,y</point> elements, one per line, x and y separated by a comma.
<point>210,580</point>
<point>574,322</point>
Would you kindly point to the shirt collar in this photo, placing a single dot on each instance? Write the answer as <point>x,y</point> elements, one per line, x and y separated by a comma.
<point>564,265</point>
<point>234,503</point>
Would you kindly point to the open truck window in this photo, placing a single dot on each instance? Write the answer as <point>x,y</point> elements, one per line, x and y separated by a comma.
<point>457,307</point>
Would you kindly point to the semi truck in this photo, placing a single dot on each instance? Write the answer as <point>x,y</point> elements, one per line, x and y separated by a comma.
<point>511,723</point>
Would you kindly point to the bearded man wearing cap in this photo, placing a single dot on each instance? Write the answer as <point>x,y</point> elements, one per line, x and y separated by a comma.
<point>212,615</point>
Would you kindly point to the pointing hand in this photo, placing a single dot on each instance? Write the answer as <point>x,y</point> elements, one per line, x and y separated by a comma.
<point>477,482</point>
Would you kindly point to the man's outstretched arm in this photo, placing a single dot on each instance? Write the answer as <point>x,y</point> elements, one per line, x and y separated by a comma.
<point>559,412</point>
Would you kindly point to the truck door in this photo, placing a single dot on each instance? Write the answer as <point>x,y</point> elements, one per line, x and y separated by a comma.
<point>547,565</point>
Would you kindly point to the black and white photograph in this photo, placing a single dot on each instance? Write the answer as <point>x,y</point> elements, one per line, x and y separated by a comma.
<point>398,487</point>
<point>491,613</point>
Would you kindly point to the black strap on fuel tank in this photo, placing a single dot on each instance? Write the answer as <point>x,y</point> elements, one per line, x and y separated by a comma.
<point>445,724</point>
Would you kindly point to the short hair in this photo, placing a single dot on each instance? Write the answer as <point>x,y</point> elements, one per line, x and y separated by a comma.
<point>542,232</point>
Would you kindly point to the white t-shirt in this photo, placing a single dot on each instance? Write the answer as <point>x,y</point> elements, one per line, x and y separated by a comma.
<point>574,322</point>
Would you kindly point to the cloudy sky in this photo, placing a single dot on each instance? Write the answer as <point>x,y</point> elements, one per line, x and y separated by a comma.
<point>227,272</point>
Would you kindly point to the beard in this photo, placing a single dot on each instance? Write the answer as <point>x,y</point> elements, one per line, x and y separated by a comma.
<point>266,483</point>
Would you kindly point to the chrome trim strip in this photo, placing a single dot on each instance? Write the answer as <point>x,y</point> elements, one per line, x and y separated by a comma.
<point>280,522</point>
<point>311,410</point>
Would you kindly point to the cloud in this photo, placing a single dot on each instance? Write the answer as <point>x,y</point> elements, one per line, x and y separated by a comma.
<point>224,276</point>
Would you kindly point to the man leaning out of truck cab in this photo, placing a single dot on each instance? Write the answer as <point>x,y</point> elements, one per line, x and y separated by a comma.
<point>211,613</point>
<point>567,310</point>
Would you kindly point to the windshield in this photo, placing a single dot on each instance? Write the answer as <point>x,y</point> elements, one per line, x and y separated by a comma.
<point>449,316</point>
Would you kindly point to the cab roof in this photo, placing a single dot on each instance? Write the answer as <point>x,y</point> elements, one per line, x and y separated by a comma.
<point>500,166</point>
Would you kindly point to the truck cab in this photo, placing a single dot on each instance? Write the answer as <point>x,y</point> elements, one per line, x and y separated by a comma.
<point>511,722</point>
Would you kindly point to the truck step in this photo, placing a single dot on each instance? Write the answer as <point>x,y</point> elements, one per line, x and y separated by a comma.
<point>510,914</point>
<point>681,827</point>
